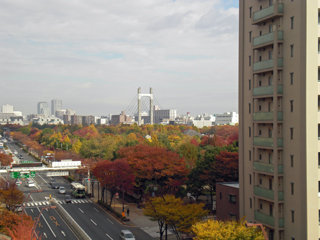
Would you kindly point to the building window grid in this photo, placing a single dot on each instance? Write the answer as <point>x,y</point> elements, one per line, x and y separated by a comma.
<point>292,22</point>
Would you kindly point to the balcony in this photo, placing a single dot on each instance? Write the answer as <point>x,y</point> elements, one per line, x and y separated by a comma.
<point>267,65</point>
<point>263,218</point>
<point>267,90</point>
<point>267,168</point>
<point>266,39</point>
<point>266,193</point>
<point>268,13</point>
<point>266,142</point>
<point>266,116</point>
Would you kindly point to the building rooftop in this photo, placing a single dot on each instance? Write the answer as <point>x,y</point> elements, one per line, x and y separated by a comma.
<point>230,184</point>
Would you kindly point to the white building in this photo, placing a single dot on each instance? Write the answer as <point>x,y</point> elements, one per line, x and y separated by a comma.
<point>47,120</point>
<point>227,118</point>
<point>56,104</point>
<point>42,108</point>
<point>7,108</point>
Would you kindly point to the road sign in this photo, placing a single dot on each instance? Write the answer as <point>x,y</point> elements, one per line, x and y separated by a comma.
<point>26,162</point>
<point>15,174</point>
<point>20,174</point>
<point>58,173</point>
<point>32,174</point>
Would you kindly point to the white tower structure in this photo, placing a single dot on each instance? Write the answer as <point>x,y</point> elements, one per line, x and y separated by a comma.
<point>140,95</point>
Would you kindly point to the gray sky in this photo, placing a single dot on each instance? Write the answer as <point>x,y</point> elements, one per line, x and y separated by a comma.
<point>95,54</point>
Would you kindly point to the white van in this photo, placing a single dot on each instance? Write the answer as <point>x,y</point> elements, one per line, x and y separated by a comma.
<point>30,183</point>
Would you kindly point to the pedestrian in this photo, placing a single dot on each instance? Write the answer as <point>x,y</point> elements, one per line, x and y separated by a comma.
<point>128,212</point>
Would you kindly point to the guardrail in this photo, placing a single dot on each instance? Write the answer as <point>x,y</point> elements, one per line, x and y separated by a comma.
<point>72,224</point>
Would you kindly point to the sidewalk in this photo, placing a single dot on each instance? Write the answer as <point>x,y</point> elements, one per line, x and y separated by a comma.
<point>136,216</point>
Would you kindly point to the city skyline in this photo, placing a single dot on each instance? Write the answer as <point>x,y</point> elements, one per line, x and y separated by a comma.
<point>183,50</point>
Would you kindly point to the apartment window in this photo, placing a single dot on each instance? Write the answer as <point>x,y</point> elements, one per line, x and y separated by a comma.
<point>260,58</point>
<point>270,54</point>
<point>319,217</point>
<point>250,179</point>
<point>270,80</point>
<point>220,195</point>
<point>291,156</point>
<point>259,132</point>
<point>270,28</point>
<point>270,210</point>
<point>260,181</point>
<point>292,216</point>
<point>250,35</point>
<point>260,156</point>
<point>250,11</point>
<point>249,131</point>
<point>249,155</point>
<point>318,188</point>
<point>291,78</point>
<point>250,202</point>
<point>291,50</point>
<point>259,107</point>
<point>292,188</point>
<point>260,205</point>
<point>249,84</point>
<point>291,105</point>
<point>292,22</point>
<point>249,108</point>
<point>291,133</point>
<point>318,159</point>
<point>270,2</point>
<point>260,33</point>
<point>249,60</point>
<point>232,198</point>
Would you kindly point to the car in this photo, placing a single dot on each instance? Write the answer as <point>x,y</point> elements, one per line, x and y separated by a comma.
<point>15,152</point>
<point>17,208</point>
<point>55,185</point>
<point>18,182</point>
<point>68,198</point>
<point>30,183</point>
<point>62,189</point>
<point>126,235</point>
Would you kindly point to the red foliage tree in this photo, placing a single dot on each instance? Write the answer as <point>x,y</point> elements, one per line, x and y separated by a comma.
<point>155,165</point>
<point>227,166</point>
<point>5,159</point>
<point>215,141</point>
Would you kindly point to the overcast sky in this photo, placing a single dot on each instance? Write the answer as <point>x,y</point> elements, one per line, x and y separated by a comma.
<point>95,54</point>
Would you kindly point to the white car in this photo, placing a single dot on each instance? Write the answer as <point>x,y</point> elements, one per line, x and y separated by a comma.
<point>62,189</point>
<point>15,152</point>
<point>126,235</point>
<point>29,183</point>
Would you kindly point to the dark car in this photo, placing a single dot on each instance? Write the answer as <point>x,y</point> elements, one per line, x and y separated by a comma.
<point>68,198</point>
<point>55,185</point>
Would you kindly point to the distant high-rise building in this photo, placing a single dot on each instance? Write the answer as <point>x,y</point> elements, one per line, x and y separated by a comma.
<point>43,109</point>
<point>56,104</point>
<point>7,108</point>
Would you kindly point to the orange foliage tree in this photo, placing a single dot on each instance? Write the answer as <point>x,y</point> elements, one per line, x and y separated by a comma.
<point>155,166</point>
<point>5,159</point>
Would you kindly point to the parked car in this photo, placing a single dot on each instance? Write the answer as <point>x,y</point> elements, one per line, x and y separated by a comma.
<point>62,189</point>
<point>55,185</point>
<point>68,198</point>
<point>126,235</point>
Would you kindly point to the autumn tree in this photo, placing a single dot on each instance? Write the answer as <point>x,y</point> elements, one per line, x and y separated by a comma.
<point>10,194</point>
<point>5,160</point>
<point>156,166</point>
<point>229,230</point>
<point>171,211</point>
<point>17,227</point>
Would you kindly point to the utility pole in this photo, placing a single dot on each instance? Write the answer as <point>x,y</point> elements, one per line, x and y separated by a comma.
<point>89,181</point>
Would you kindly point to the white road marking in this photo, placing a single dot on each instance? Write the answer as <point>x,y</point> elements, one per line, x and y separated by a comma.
<point>46,223</point>
<point>93,222</point>
<point>82,201</point>
<point>41,178</point>
<point>28,204</point>
<point>32,204</point>
<point>31,210</point>
<point>45,235</point>
<point>96,209</point>
<point>89,201</point>
<point>31,198</point>
<point>63,233</point>
<point>40,203</point>
<point>80,210</point>
<point>110,221</point>
<point>109,236</point>
<point>36,204</point>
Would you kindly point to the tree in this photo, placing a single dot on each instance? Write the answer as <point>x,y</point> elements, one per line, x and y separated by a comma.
<point>168,210</point>
<point>15,226</point>
<point>155,165</point>
<point>10,194</point>
<point>230,230</point>
<point>5,159</point>
<point>227,166</point>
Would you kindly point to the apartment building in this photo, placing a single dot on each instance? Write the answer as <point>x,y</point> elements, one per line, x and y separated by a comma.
<point>279,95</point>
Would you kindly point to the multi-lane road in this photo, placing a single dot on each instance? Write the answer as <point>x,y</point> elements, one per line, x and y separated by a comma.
<point>94,221</point>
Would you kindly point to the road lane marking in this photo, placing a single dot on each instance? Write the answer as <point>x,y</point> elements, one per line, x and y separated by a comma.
<point>63,233</point>
<point>81,210</point>
<point>109,236</point>
<point>110,221</point>
<point>93,222</point>
<point>31,198</point>
<point>31,210</point>
<point>96,209</point>
<point>45,235</point>
<point>46,223</point>
<point>42,178</point>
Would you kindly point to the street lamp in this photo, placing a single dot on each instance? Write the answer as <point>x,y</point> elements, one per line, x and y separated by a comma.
<point>258,225</point>
<point>24,205</point>
<point>35,224</point>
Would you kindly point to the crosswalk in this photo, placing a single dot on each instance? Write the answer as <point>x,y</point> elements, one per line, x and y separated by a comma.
<point>75,201</point>
<point>44,203</point>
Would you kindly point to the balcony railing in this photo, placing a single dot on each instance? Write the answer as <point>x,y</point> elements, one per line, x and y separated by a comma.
<point>266,38</point>
<point>264,218</point>
<point>267,168</point>
<point>267,90</point>
<point>267,142</point>
<point>267,64</point>
<point>269,11</point>
<point>266,116</point>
